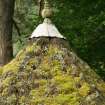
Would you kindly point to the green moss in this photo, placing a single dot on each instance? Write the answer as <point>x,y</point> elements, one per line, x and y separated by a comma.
<point>22,100</point>
<point>61,99</point>
<point>15,63</point>
<point>70,99</point>
<point>85,89</point>
<point>32,61</point>
<point>43,77</point>
<point>63,78</point>
<point>1,70</point>
<point>12,99</point>
<point>12,66</point>
<point>101,87</point>
<point>31,48</point>
<point>34,48</point>
<point>6,81</point>
<point>54,50</point>
<point>4,92</point>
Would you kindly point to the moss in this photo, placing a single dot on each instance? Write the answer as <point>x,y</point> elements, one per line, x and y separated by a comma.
<point>31,48</point>
<point>12,66</point>
<point>22,100</point>
<point>15,63</point>
<point>63,78</point>
<point>70,99</point>
<point>20,56</point>
<point>5,92</point>
<point>6,82</point>
<point>77,79</point>
<point>84,90</point>
<point>12,99</point>
<point>65,84</point>
<point>32,61</point>
<point>61,99</point>
<point>101,87</point>
<point>1,70</point>
<point>40,75</point>
<point>54,50</point>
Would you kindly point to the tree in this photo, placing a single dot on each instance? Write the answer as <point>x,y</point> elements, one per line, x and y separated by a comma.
<point>6,23</point>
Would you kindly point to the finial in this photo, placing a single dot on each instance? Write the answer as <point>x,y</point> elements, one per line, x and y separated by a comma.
<point>47,28</point>
<point>47,12</point>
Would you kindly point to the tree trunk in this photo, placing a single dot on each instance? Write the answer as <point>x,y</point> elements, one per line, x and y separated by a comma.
<point>6,23</point>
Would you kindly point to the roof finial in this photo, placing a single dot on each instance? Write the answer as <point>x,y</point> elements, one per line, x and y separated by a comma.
<point>47,28</point>
<point>47,12</point>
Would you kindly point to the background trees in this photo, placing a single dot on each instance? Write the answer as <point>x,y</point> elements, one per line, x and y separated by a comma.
<point>81,21</point>
<point>6,22</point>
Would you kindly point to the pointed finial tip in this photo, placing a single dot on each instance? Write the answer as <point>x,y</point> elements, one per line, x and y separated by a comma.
<point>47,12</point>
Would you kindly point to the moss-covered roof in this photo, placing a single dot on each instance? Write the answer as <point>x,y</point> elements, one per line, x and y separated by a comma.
<point>48,72</point>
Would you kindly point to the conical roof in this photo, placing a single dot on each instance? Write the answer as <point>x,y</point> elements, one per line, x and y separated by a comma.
<point>47,72</point>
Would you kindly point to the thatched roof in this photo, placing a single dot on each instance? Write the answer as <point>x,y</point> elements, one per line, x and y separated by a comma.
<point>48,72</point>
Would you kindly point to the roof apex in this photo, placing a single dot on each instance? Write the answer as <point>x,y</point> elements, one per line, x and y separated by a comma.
<point>46,29</point>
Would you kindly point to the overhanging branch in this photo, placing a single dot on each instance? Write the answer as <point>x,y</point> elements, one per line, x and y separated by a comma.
<point>17,29</point>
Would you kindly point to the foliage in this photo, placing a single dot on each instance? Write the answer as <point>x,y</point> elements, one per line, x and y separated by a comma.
<point>84,27</point>
<point>82,22</point>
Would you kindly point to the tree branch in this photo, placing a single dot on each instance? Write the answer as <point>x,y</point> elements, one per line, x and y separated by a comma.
<point>17,28</point>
